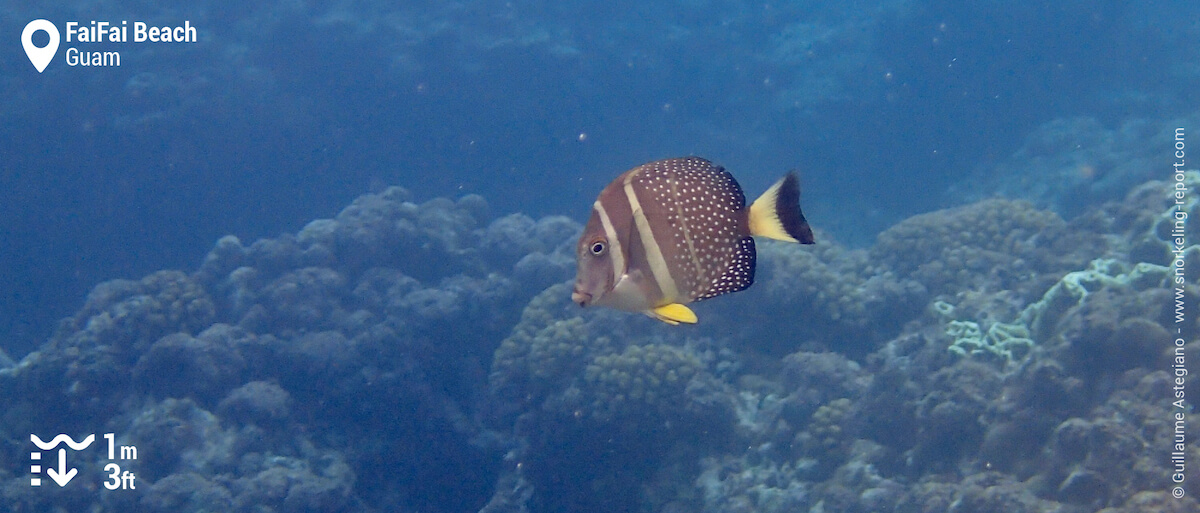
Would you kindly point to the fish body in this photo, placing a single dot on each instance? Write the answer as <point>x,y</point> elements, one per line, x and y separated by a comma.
<point>674,231</point>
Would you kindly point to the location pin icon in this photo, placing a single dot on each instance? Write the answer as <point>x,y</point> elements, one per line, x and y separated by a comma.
<point>40,57</point>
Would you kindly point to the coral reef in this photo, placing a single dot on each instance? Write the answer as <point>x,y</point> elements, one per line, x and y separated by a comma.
<point>849,301</point>
<point>652,378</point>
<point>234,382</point>
<point>596,368</point>
<point>565,379</point>
<point>994,244</point>
<point>1009,342</point>
<point>424,357</point>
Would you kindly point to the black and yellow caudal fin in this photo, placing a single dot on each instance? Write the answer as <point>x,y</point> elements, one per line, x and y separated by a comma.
<point>776,214</point>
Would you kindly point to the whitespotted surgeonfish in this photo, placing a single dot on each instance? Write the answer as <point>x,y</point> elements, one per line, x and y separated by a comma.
<point>670,232</point>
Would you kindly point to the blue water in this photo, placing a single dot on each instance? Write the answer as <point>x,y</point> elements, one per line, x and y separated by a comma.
<point>286,112</point>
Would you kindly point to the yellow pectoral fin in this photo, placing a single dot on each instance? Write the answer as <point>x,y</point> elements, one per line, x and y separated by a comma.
<point>675,313</point>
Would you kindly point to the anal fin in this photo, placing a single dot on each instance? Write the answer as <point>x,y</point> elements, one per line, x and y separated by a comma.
<point>738,276</point>
<point>674,314</point>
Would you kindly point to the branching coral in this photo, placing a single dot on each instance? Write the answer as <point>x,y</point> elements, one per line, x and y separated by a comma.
<point>1007,341</point>
<point>1072,290</point>
<point>1040,320</point>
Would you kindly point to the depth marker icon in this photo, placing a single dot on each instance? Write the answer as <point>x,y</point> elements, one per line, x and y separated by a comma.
<point>62,475</point>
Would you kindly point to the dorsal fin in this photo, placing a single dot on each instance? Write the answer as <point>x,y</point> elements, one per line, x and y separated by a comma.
<point>776,214</point>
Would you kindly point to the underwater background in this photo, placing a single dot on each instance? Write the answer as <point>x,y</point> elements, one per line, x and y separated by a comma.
<point>318,260</point>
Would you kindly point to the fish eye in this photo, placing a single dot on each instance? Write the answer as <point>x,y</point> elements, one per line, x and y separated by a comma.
<point>598,247</point>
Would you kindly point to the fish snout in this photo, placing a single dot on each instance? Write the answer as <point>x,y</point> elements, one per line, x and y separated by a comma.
<point>581,298</point>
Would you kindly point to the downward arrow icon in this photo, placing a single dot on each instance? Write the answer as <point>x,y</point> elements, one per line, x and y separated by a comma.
<point>62,476</point>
